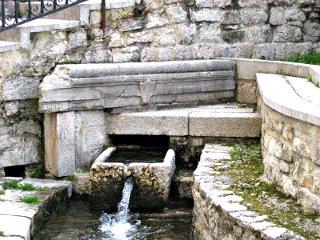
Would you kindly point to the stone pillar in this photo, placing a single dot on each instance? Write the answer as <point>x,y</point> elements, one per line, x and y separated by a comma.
<point>73,140</point>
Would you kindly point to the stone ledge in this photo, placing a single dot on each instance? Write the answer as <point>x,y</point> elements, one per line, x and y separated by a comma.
<point>22,220</point>
<point>22,33</point>
<point>6,46</point>
<point>216,207</point>
<point>293,97</point>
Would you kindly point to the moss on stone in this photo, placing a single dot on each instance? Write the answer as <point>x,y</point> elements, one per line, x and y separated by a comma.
<point>246,170</point>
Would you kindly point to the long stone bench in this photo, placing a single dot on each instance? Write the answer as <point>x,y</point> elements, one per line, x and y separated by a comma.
<point>290,110</point>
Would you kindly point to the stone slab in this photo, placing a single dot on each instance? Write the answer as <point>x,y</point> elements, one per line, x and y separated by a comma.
<point>15,226</point>
<point>188,121</point>
<point>225,124</point>
<point>169,123</point>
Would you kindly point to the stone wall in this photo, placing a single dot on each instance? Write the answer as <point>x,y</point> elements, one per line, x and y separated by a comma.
<point>291,150</point>
<point>218,213</point>
<point>195,29</point>
<point>152,31</point>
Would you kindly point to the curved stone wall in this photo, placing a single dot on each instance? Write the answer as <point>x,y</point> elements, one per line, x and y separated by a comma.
<point>290,110</point>
<point>220,214</point>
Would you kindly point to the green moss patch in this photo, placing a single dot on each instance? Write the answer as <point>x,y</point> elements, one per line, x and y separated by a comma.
<point>246,170</point>
<point>23,187</point>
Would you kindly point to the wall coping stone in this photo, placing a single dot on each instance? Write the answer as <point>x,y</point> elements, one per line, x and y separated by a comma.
<point>294,97</point>
<point>247,68</point>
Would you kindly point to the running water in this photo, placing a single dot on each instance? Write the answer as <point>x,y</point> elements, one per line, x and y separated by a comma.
<point>121,225</point>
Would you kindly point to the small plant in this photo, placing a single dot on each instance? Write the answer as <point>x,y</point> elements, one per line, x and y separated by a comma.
<point>29,200</point>
<point>166,209</point>
<point>311,57</point>
<point>309,78</point>
<point>23,187</point>
<point>2,192</point>
<point>2,234</point>
<point>318,85</point>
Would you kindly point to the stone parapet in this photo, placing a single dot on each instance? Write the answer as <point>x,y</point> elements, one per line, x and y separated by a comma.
<point>218,212</point>
<point>246,70</point>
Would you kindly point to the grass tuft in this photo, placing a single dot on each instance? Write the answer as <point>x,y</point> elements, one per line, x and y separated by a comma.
<point>23,187</point>
<point>29,200</point>
<point>311,57</point>
<point>2,234</point>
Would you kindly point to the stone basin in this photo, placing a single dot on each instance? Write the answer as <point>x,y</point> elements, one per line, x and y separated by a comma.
<point>151,181</point>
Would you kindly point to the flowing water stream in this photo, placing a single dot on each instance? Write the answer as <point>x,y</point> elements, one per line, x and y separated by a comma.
<point>79,223</point>
<point>121,225</point>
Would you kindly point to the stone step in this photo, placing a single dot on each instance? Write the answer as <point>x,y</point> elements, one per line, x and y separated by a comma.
<point>223,120</point>
<point>6,46</point>
<point>21,34</point>
<point>23,220</point>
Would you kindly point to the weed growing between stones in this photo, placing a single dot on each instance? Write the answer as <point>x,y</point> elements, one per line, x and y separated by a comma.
<point>30,200</point>
<point>1,192</point>
<point>23,187</point>
<point>310,58</point>
<point>246,170</point>
<point>2,234</point>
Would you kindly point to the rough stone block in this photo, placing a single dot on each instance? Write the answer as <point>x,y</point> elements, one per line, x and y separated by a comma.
<point>246,91</point>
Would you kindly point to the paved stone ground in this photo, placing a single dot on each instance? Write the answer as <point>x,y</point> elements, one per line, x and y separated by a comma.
<point>19,220</point>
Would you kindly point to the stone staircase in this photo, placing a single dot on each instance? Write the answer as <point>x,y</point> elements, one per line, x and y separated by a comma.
<point>70,18</point>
